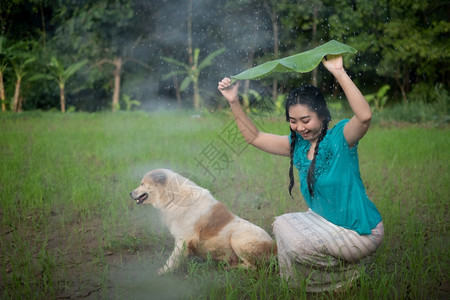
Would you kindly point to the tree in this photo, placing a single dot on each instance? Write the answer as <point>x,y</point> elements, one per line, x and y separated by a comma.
<point>402,43</point>
<point>193,69</point>
<point>61,75</point>
<point>106,33</point>
<point>304,26</point>
<point>415,44</point>
<point>402,40</point>
<point>118,63</point>
<point>21,57</point>
<point>4,53</point>
<point>192,72</point>
<point>130,102</point>
<point>3,66</point>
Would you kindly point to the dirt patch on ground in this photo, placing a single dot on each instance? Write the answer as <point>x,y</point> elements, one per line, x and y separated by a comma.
<point>71,258</point>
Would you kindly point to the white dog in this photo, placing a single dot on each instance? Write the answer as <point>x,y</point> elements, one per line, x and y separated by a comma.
<point>200,224</point>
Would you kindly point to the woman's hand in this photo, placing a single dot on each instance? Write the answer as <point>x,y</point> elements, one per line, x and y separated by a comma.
<point>271,143</point>
<point>230,92</point>
<point>333,63</point>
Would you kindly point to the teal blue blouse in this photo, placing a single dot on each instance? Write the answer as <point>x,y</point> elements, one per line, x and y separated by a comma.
<point>339,193</point>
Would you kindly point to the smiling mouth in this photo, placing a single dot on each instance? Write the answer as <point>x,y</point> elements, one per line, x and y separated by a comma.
<point>142,198</point>
<point>304,133</point>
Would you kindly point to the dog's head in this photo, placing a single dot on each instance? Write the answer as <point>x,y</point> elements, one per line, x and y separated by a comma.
<point>164,188</point>
<point>152,184</point>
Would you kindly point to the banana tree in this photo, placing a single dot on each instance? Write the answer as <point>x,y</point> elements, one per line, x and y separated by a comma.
<point>61,75</point>
<point>129,103</point>
<point>3,65</point>
<point>118,63</point>
<point>192,72</point>
<point>21,57</point>
<point>378,100</point>
<point>20,71</point>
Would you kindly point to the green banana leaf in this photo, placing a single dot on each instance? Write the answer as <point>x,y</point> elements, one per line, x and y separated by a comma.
<point>302,62</point>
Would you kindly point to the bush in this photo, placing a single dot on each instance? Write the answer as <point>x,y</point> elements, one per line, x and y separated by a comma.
<point>416,112</point>
<point>427,93</point>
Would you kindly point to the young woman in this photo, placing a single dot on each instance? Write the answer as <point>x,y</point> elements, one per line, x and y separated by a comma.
<point>324,244</point>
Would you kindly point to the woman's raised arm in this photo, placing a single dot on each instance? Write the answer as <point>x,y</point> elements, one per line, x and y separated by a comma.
<point>271,143</point>
<point>357,127</point>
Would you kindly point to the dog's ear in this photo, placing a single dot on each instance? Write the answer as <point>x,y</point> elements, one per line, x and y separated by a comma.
<point>159,178</point>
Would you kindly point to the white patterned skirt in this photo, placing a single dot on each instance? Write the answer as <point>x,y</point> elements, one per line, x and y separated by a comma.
<point>319,255</point>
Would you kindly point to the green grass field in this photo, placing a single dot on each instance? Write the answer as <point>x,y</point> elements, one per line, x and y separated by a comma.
<point>69,228</point>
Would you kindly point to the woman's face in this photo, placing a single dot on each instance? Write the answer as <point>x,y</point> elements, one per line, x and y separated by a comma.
<point>305,122</point>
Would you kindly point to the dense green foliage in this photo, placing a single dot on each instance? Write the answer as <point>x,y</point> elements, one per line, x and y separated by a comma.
<point>403,44</point>
<point>68,228</point>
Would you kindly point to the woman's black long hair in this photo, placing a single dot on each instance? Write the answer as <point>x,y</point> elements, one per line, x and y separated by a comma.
<point>312,97</point>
